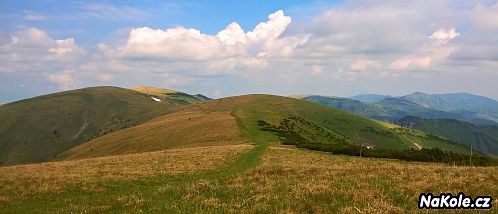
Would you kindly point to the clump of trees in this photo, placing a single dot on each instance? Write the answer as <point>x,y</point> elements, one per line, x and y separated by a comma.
<point>291,132</point>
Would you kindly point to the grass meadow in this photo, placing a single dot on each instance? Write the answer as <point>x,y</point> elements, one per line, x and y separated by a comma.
<point>235,179</point>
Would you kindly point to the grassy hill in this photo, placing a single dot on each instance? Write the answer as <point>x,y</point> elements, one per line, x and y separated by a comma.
<point>213,122</point>
<point>170,96</point>
<point>38,129</point>
<point>483,138</point>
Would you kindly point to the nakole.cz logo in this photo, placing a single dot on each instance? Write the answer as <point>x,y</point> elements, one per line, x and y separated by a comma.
<point>448,201</point>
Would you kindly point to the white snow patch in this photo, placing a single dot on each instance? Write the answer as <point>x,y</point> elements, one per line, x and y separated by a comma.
<point>156,99</point>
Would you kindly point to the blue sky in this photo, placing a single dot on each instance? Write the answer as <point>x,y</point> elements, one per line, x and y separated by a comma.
<point>224,48</point>
<point>90,24</point>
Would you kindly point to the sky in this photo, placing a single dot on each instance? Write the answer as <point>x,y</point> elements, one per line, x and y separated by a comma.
<point>225,48</point>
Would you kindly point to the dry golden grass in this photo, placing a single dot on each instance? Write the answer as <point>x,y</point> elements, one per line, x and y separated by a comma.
<point>183,129</point>
<point>152,90</point>
<point>53,176</point>
<point>322,183</point>
<point>287,180</point>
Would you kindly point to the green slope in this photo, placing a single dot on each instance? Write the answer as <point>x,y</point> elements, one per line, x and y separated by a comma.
<point>317,122</point>
<point>484,138</point>
<point>38,129</point>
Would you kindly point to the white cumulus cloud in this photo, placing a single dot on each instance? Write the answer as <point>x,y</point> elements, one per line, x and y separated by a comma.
<point>228,49</point>
<point>443,36</point>
<point>31,49</point>
<point>173,44</point>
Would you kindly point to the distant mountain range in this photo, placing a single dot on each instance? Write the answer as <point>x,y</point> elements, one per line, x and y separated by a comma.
<point>471,108</point>
<point>461,117</point>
